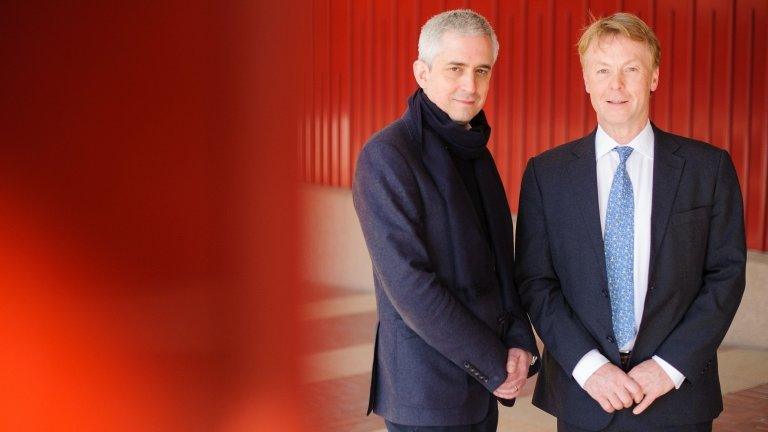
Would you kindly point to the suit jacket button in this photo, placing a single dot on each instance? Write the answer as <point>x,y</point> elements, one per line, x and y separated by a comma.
<point>651,288</point>
<point>466,365</point>
<point>610,339</point>
<point>605,293</point>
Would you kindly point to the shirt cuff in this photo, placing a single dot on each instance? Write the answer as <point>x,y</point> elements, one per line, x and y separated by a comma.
<point>674,374</point>
<point>588,364</point>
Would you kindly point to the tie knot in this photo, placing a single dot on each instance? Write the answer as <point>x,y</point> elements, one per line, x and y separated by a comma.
<point>624,152</point>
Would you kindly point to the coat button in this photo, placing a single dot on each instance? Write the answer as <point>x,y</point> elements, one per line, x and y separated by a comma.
<point>651,288</point>
<point>610,339</point>
<point>466,365</point>
<point>605,293</point>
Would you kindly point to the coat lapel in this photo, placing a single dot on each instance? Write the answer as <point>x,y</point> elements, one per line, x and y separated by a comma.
<point>667,169</point>
<point>583,180</point>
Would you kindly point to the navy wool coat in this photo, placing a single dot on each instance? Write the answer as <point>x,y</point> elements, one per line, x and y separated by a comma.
<point>442,338</point>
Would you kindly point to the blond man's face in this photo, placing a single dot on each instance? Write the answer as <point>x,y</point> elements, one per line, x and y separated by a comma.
<point>619,76</point>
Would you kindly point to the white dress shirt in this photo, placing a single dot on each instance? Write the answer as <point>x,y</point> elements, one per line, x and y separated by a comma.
<point>640,170</point>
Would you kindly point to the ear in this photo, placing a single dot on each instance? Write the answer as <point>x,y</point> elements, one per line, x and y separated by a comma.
<point>586,82</point>
<point>420,72</point>
<point>654,79</point>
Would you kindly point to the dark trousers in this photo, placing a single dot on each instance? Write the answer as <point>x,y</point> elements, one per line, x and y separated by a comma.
<point>488,424</point>
<point>625,421</point>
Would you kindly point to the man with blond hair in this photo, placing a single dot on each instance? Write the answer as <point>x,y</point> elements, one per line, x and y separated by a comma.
<point>452,336</point>
<point>630,254</point>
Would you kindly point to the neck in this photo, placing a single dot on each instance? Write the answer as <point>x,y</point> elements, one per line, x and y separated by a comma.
<point>624,134</point>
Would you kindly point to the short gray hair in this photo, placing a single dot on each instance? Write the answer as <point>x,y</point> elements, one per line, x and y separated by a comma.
<point>462,21</point>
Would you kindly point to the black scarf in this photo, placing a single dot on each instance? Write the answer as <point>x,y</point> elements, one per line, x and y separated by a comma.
<point>466,144</point>
<point>470,145</point>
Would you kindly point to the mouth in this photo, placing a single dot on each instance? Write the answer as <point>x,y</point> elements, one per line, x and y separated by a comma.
<point>464,102</point>
<point>616,101</point>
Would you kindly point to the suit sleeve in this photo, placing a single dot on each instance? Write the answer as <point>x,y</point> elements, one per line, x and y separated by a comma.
<point>563,334</point>
<point>390,209</point>
<point>693,343</point>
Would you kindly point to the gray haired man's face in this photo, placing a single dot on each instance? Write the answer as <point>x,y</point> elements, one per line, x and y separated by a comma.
<point>460,75</point>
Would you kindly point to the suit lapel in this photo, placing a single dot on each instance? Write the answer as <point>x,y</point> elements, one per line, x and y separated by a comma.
<point>667,169</point>
<point>583,181</point>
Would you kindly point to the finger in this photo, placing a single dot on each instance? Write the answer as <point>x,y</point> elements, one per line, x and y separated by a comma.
<point>644,404</point>
<point>521,383</point>
<point>523,363</point>
<point>615,402</point>
<point>638,395</point>
<point>511,365</point>
<point>632,385</point>
<point>605,405</point>
<point>625,398</point>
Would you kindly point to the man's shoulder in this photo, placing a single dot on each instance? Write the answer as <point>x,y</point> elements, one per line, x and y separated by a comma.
<point>395,138</point>
<point>559,154</point>
<point>689,146</point>
<point>701,158</point>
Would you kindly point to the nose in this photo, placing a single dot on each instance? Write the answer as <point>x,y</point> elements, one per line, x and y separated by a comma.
<point>469,82</point>
<point>617,81</point>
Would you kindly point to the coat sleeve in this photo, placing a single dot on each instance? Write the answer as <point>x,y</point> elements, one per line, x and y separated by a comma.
<point>561,331</point>
<point>693,343</point>
<point>390,209</point>
<point>519,333</point>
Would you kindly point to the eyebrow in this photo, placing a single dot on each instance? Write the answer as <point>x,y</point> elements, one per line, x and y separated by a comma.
<point>454,63</point>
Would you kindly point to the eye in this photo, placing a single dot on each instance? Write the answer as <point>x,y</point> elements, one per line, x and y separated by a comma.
<point>454,69</point>
<point>633,69</point>
<point>482,72</point>
<point>602,71</point>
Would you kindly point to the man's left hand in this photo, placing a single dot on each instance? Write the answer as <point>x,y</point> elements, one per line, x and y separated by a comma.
<point>518,362</point>
<point>653,381</point>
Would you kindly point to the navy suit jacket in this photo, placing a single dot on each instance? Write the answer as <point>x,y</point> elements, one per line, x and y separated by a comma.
<point>696,274</point>
<point>441,347</point>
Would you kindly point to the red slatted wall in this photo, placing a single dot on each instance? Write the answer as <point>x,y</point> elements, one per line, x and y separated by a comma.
<point>713,83</point>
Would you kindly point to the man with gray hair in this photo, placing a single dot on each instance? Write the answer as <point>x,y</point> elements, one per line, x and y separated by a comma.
<point>452,337</point>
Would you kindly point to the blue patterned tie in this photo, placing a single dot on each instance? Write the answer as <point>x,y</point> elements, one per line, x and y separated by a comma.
<point>619,250</point>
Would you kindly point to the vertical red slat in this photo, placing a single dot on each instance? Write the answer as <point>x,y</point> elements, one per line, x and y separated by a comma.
<point>757,154</point>
<point>764,140</point>
<point>712,81</point>
<point>741,96</point>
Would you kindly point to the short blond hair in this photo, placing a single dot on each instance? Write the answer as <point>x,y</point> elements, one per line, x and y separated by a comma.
<point>621,23</point>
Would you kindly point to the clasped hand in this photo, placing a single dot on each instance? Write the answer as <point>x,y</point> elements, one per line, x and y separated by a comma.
<point>518,362</point>
<point>615,390</point>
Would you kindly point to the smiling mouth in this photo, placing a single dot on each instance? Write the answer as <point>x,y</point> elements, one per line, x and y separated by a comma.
<point>618,102</point>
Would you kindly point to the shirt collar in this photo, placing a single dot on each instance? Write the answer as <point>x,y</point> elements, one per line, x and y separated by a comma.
<point>642,143</point>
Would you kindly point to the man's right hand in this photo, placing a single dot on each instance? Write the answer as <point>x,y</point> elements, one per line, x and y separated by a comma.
<point>612,388</point>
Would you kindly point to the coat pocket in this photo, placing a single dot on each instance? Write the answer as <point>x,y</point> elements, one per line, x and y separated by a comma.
<point>684,217</point>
